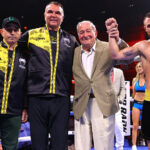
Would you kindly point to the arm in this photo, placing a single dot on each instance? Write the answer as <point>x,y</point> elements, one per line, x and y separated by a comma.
<point>112,29</point>
<point>133,89</point>
<point>23,41</point>
<point>24,117</point>
<point>125,54</point>
<point>25,97</point>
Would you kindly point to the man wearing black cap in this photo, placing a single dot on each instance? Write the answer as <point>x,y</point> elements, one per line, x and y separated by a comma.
<point>12,83</point>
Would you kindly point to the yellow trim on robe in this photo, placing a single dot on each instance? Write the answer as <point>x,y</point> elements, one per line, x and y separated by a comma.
<point>7,83</point>
<point>41,38</point>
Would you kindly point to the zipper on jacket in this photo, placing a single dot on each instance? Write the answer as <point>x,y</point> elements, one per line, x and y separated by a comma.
<point>7,82</point>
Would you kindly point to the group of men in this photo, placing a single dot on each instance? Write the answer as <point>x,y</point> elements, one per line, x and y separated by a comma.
<point>36,74</point>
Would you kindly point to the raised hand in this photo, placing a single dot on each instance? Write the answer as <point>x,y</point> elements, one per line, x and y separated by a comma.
<point>112,28</point>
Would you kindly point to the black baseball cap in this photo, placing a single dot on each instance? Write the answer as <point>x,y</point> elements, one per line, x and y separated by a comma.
<point>9,20</point>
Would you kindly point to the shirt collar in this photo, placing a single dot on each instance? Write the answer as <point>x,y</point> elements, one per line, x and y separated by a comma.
<point>92,49</point>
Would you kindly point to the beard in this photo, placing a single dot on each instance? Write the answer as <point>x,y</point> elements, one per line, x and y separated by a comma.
<point>147,37</point>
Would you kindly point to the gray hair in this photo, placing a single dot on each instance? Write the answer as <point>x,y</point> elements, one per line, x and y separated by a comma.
<point>86,21</point>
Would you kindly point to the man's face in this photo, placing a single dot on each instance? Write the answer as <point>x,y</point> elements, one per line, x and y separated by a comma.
<point>147,26</point>
<point>53,16</point>
<point>87,35</point>
<point>11,33</point>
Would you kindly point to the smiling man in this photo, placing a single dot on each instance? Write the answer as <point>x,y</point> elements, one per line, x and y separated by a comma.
<point>54,16</point>
<point>95,102</point>
<point>13,71</point>
<point>49,79</point>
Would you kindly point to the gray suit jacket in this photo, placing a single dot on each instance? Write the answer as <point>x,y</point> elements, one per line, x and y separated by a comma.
<point>100,81</point>
<point>119,84</point>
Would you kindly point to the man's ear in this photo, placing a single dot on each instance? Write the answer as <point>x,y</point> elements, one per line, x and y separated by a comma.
<point>44,15</point>
<point>1,31</point>
<point>144,27</point>
<point>96,33</point>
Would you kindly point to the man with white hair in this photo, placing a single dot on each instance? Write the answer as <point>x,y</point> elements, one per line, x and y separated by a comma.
<point>95,102</point>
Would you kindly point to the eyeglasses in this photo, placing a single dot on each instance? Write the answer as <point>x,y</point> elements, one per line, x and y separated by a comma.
<point>10,29</point>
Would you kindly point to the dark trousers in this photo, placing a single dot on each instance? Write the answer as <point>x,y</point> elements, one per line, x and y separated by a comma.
<point>145,120</point>
<point>49,115</point>
<point>9,129</point>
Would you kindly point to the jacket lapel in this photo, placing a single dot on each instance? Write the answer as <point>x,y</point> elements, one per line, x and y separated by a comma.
<point>98,55</point>
<point>80,62</point>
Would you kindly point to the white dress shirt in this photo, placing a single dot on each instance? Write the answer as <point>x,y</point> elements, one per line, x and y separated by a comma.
<point>87,60</point>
